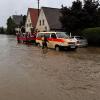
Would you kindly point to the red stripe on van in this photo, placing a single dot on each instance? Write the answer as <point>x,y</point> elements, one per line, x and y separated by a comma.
<point>56,40</point>
<point>52,39</point>
<point>38,39</point>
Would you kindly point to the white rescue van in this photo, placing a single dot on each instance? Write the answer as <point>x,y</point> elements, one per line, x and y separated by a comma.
<point>56,40</point>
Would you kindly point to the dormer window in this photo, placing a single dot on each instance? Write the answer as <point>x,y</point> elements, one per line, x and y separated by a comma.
<point>43,22</point>
<point>27,25</point>
<point>40,22</point>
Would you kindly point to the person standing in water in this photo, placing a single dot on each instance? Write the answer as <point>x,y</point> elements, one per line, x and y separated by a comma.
<point>44,42</point>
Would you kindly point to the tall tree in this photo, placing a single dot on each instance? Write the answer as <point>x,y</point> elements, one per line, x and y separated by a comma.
<point>90,8</point>
<point>79,16</point>
<point>71,16</point>
<point>10,26</point>
<point>98,16</point>
<point>2,31</point>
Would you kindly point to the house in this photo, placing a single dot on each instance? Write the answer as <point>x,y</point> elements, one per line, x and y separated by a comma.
<point>49,19</point>
<point>31,20</point>
<point>18,19</point>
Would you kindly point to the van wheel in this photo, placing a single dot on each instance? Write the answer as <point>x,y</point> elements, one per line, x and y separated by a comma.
<point>57,48</point>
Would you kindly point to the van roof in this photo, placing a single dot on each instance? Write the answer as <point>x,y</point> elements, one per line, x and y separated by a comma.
<point>50,32</point>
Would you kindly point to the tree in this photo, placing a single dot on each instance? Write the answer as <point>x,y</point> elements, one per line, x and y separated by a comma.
<point>70,18</point>
<point>78,17</point>
<point>2,31</point>
<point>91,10</point>
<point>98,16</point>
<point>10,26</point>
<point>23,22</point>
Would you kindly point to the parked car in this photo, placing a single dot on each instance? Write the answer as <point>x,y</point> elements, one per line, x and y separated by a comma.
<point>57,40</point>
<point>81,41</point>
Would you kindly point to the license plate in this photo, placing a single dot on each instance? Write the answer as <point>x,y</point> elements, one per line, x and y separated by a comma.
<point>72,46</point>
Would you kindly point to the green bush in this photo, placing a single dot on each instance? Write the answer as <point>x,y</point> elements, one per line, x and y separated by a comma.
<point>92,35</point>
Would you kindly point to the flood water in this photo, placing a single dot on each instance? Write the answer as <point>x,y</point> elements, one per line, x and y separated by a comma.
<point>26,73</point>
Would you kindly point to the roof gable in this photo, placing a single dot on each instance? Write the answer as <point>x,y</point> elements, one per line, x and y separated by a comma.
<point>34,15</point>
<point>52,16</point>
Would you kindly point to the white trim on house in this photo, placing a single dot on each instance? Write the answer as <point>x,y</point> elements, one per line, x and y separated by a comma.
<point>28,24</point>
<point>42,24</point>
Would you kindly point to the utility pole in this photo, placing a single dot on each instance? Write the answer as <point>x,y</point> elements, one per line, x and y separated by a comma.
<point>38,7</point>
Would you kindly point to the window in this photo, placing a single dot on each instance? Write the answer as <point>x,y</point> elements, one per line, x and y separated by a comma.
<point>40,35</point>
<point>62,35</point>
<point>27,25</point>
<point>40,22</point>
<point>47,35</point>
<point>43,21</point>
<point>79,37</point>
<point>53,35</point>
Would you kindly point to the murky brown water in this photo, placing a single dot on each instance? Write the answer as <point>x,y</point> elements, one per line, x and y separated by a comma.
<point>28,74</point>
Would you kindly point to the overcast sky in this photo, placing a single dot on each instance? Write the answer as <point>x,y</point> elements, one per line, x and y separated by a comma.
<point>12,7</point>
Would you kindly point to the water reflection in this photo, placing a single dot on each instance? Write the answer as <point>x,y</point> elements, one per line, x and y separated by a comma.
<point>28,72</point>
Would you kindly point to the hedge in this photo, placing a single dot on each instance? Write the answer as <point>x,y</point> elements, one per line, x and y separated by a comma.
<point>92,35</point>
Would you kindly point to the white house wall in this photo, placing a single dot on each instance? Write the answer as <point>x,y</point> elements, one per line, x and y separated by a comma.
<point>45,26</point>
<point>28,24</point>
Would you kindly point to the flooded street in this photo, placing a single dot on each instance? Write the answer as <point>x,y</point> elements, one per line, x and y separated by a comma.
<point>28,74</point>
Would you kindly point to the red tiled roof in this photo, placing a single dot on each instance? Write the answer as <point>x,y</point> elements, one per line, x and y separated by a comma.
<point>34,16</point>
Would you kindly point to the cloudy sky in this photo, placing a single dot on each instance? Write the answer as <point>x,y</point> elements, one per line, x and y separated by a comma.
<point>12,7</point>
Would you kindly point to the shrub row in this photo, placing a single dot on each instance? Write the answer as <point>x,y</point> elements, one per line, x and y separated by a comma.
<point>92,35</point>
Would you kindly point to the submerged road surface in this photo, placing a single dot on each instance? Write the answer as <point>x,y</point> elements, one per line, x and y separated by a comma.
<point>26,73</point>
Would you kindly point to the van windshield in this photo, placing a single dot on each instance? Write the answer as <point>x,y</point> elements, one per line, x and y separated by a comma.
<point>62,35</point>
